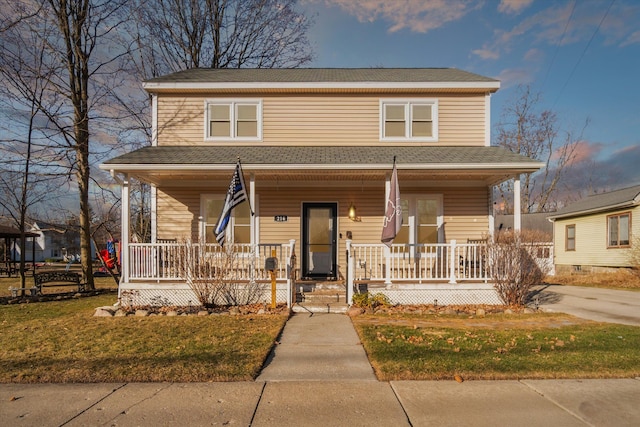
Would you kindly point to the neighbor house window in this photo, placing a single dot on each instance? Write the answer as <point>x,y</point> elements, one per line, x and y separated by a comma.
<point>230,119</point>
<point>618,227</point>
<point>239,228</point>
<point>409,120</point>
<point>570,238</point>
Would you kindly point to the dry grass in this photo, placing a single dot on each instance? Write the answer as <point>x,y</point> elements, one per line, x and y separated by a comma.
<point>418,347</point>
<point>7,282</point>
<point>620,279</point>
<point>60,341</point>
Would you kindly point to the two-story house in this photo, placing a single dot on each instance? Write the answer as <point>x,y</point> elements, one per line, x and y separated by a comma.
<point>317,149</point>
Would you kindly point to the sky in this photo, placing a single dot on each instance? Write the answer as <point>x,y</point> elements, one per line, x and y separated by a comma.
<point>582,57</point>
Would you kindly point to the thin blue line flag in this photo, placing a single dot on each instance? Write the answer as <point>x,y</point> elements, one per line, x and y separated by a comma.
<point>236,194</point>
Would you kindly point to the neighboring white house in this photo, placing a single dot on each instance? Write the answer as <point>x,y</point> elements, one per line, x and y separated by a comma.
<point>59,242</point>
<point>597,232</point>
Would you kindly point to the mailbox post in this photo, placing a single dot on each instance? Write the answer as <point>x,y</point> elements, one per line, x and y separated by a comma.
<point>271,265</point>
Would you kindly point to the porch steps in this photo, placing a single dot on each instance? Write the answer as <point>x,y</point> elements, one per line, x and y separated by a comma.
<point>320,308</point>
<point>320,297</point>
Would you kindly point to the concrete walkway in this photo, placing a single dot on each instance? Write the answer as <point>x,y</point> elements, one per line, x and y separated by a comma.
<point>319,376</point>
<point>318,347</point>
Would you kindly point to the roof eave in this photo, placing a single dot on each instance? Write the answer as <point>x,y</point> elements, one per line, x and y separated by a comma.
<point>490,86</point>
<point>623,205</point>
<point>522,167</point>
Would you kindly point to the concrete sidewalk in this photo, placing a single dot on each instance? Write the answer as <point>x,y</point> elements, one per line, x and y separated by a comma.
<point>318,375</point>
<point>542,403</point>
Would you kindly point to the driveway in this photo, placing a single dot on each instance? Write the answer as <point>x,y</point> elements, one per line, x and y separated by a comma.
<point>602,305</point>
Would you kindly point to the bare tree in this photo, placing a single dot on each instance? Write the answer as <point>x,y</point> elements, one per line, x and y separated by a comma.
<point>77,36</point>
<point>185,34</point>
<point>24,184</point>
<point>527,130</point>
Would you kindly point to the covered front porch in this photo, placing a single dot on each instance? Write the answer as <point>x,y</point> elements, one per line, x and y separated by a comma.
<point>325,205</point>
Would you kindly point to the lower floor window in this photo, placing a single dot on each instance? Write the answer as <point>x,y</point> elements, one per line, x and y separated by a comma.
<point>618,230</point>
<point>239,228</point>
<point>422,220</point>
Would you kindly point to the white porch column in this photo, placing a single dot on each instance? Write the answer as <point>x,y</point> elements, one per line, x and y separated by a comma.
<point>252,202</point>
<point>125,237</point>
<point>492,212</point>
<point>154,213</point>
<point>387,251</point>
<point>517,209</point>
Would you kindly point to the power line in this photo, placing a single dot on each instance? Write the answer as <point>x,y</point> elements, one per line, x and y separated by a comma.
<point>573,8</point>
<point>575,67</point>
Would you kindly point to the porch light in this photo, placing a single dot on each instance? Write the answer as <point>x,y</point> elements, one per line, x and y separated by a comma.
<point>352,213</point>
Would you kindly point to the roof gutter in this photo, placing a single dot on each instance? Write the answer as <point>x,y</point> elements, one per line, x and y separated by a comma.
<point>526,167</point>
<point>155,87</point>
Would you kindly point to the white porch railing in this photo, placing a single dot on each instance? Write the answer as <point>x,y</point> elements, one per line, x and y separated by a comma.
<point>154,261</point>
<point>424,263</point>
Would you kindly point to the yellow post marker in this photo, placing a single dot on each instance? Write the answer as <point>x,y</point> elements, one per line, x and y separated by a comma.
<point>273,282</point>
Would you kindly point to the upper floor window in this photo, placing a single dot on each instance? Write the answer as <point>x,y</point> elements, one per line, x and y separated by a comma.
<point>233,119</point>
<point>618,227</point>
<point>570,238</point>
<point>409,120</point>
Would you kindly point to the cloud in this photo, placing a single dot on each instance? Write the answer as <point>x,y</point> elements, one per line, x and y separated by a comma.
<point>618,170</point>
<point>486,53</point>
<point>533,55</point>
<point>513,7</point>
<point>418,16</point>
<point>560,25</point>
<point>586,151</point>
<point>632,39</point>
<point>514,76</point>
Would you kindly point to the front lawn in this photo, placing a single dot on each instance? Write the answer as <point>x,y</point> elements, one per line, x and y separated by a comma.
<point>60,341</point>
<point>412,347</point>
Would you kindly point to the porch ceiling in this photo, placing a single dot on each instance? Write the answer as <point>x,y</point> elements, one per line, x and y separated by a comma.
<point>173,165</point>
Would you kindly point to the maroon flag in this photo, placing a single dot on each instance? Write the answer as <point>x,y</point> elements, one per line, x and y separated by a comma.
<point>393,212</point>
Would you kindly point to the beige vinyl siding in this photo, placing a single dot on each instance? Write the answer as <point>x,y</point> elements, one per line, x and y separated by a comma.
<point>591,241</point>
<point>180,120</point>
<point>330,120</point>
<point>178,212</point>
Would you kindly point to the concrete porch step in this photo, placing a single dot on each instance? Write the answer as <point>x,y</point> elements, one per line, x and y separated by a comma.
<point>324,296</point>
<point>339,308</point>
<point>312,286</point>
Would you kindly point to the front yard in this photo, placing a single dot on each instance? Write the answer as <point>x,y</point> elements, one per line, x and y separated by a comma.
<point>497,346</point>
<point>60,341</point>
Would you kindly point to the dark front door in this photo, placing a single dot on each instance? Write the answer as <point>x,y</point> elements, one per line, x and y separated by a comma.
<point>319,225</point>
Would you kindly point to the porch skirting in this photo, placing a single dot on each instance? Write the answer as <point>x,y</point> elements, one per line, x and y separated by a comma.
<point>168,293</point>
<point>440,294</point>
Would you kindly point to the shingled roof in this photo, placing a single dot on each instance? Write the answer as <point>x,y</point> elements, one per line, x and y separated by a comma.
<point>255,157</point>
<point>619,199</point>
<point>321,75</point>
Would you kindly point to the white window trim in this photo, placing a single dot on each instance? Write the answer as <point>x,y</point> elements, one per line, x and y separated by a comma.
<point>233,103</point>
<point>230,227</point>
<point>407,103</point>
<point>413,226</point>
